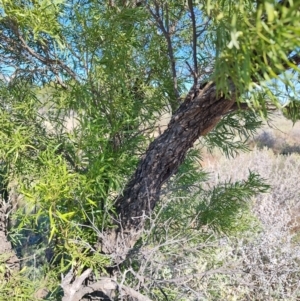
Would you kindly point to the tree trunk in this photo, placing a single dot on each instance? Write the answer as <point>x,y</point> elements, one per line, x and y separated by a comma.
<point>10,259</point>
<point>197,116</point>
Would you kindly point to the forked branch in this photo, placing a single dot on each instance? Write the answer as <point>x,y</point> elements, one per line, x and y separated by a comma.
<point>156,14</point>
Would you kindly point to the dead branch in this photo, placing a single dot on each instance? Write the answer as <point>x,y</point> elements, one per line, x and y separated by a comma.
<point>74,290</point>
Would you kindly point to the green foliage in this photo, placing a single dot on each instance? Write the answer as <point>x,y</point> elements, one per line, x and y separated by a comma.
<point>223,207</point>
<point>254,45</point>
<point>26,283</point>
<point>291,110</point>
<point>232,132</point>
<point>82,86</point>
<point>41,16</point>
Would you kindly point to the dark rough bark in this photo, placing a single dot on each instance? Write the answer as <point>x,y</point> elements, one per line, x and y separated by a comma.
<point>198,115</point>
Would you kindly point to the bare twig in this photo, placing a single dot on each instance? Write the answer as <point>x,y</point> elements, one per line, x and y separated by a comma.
<point>204,25</point>
<point>167,34</point>
<point>195,73</point>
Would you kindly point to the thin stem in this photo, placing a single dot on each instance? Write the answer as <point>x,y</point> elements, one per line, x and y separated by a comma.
<point>167,34</point>
<point>195,73</point>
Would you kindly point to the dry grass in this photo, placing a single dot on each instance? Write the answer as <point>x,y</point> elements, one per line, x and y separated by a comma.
<point>271,261</point>
<point>278,134</point>
<point>262,264</point>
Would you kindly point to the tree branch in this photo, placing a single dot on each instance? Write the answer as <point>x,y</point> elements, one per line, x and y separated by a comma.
<point>294,59</point>
<point>167,34</point>
<point>197,116</point>
<point>51,63</point>
<point>74,291</point>
<point>191,8</point>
